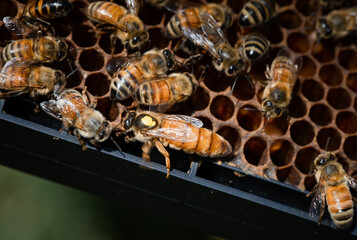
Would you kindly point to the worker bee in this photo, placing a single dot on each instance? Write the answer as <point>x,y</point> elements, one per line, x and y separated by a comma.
<point>194,17</point>
<point>256,12</point>
<point>42,49</point>
<point>19,77</point>
<point>166,91</point>
<point>152,64</point>
<point>36,13</point>
<point>333,185</point>
<point>127,27</point>
<point>281,78</point>
<point>75,111</point>
<point>176,131</point>
<point>337,24</point>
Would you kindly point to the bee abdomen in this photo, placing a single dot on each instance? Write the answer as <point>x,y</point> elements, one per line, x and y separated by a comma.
<point>154,93</point>
<point>255,47</point>
<point>340,205</point>
<point>173,27</point>
<point>22,49</point>
<point>121,88</point>
<point>256,12</point>
<point>50,9</point>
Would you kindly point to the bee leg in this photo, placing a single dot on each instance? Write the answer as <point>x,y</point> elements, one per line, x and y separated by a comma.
<point>163,151</point>
<point>80,139</point>
<point>146,150</point>
<point>113,40</point>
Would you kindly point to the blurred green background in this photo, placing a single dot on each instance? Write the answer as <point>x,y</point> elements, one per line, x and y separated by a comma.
<point>32,208</point>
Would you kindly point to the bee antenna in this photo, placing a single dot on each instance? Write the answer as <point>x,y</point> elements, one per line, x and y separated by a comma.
<point>181,64</point>
<point>117,145</point>
<point>327,143</point>
<point>253,109</point>
<point>266,123</point>
<point>234,84</point>
<point>72,72</point>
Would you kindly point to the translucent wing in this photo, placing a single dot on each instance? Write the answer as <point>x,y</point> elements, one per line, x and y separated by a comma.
<point>50,107</point>
<point>351,182</point>
<point>133,6</point>
<point>317,201</point>
<point>191,120</point>
<point>207,35</point>
<point>14,70</point>
<point>181,133</point>
<point>17,27</point>
<point>117,63</point>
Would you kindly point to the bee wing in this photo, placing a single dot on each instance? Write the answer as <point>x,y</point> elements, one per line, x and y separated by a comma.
<point>191,120</point>
<point>207,35</point>
<point>176,6</point>
<point>17,27</point>
<point>133,6</point>
<point>317,201</point>
<point>117,63</point>
<point>50,107</point>
<point>351,182</point>
<point>181,133</point>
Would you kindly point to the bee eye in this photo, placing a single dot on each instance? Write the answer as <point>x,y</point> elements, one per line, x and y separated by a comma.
<point>277,111</point>
<point>321,161</point>
<point>326,28</point>
<point>135,40</point>
<point>332,157</point>
<point>232,69</point>
<point>169,64</point>
<point>269,104</point>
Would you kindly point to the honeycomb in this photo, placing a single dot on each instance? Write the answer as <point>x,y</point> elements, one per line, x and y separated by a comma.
<point>323,107</point>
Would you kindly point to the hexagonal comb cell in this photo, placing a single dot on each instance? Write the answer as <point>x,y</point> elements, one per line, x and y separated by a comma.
<point>321,114</point>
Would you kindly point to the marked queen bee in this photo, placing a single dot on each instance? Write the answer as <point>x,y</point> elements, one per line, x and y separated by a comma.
<point>333,186</point>
<point>281,78</point>
<point>42,49</point>
<point>179,132</point>
<point>75,111</point>
<point>125,26</point>
<point>135,71</point>
<point>19,77</point>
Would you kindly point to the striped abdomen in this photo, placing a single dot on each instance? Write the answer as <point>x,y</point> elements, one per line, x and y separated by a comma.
<point>47,9</point>
<point>255,47</point>
<point>208,143</point>
<point>256,12</point>
<point>175,88</point>
<point>125,82</point>
<point>13,79</point>
<point>23,49</point>
<point>283,72</point>
<point>107,12</point>
<point>188,18</point>
<point>340,205</point>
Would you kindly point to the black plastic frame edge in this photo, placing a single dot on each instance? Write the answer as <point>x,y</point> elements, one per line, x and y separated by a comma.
<point>210,206</point>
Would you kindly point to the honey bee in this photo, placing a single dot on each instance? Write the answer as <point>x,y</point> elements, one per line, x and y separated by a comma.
<point>281,76</point>
<point>127,27</point>
<point>175,131</point>
<point>337,24</point>
<point>256,12</point>
<point>42,49</point>
<point>333,185</point>
<point>18,77</point>
<point>75,111</point>
<point>175,88</point>
<point>152,64</point>
<point>38,12</point>
<point>194,17</point>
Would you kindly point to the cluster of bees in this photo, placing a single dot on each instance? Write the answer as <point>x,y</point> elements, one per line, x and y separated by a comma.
<point>149,78</point>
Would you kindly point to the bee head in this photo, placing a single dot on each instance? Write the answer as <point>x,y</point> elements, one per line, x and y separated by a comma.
<point>104,132</point>
<point>128,120</point>
<point>63,7</point>
<point>324,158</point>
<point>323,29</point>
<point>62,50</point>
<point>139,40</point>
<point>170,62</point>
<point>269,109</point>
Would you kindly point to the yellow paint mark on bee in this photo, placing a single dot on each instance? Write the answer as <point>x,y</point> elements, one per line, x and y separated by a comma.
<point>148,121</point>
